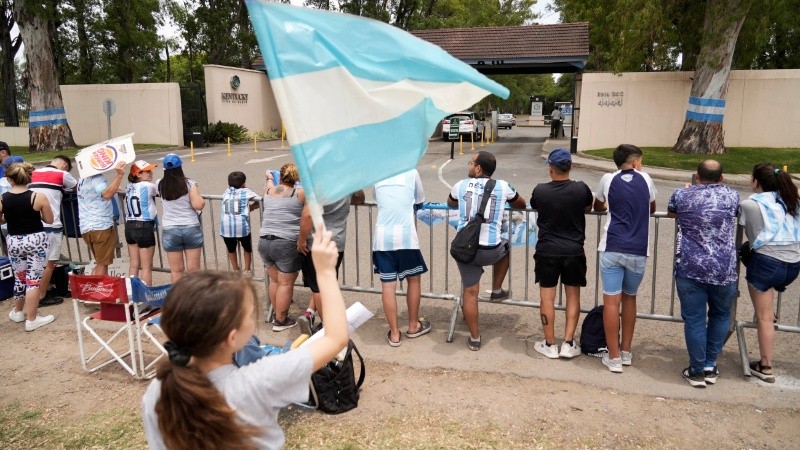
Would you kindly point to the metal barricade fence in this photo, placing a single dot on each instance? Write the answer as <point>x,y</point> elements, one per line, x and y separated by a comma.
<point>657,290</point>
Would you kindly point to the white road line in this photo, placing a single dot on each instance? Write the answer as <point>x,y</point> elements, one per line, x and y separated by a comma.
<point>441,178</point>
<point>254,161</point>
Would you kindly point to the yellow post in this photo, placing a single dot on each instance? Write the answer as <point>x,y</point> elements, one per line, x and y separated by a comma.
<point>460,145</point>
<point>255,143</point>
<point>191,149</point>
<point>283,134</point>
<point>785,168</point>
<point>492,135</point>
<point>483,136</point>
<point>229,146</point>
<point>472,141</point>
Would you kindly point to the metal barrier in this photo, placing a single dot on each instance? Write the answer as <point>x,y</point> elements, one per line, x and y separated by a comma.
<point>657,292</point>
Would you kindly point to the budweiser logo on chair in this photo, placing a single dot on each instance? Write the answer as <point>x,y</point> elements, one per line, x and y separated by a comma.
<point>97,291</point>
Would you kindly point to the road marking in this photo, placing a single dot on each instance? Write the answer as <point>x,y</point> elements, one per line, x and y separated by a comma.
<point>441,178</point>
<point>254,161</point>
<point>189,155</point>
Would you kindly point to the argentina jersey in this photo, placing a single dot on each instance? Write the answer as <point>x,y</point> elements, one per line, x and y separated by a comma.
<point>235,212</point>
<point>140,202</point>
<point>469,195</point>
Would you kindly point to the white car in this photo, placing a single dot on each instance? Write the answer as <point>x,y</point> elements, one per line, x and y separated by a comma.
<point>468,125</point>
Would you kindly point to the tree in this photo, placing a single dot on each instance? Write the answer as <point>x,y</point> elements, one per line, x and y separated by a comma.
<point>703,133</point>
<point>43,87</point>
<point>8,50</point>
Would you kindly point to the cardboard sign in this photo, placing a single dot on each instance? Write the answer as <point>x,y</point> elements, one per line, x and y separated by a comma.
<point>102,157</point>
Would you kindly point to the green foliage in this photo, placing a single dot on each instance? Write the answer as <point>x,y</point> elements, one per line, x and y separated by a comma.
<point>737,160</point>
<point>221,131</point>
<point>265,135</point>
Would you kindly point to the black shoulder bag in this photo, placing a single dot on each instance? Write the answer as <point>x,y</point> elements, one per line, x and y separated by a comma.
<point>334,388</point>
<point>465,244</point>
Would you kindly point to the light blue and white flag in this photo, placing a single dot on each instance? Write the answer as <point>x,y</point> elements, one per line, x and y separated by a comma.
<point>358,98</point>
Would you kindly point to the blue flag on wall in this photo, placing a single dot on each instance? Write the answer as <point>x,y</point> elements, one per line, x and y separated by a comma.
<point>358,98</point>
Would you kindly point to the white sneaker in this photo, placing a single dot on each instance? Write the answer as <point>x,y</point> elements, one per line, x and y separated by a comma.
<point>613,364</point>
<point>569,351</point>
<point>40,321</point>
<point>627,358</point>
<point>550,351</point>
<point>16,316</point>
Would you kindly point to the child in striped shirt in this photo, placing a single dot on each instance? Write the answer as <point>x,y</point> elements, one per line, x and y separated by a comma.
<point>237,202</point>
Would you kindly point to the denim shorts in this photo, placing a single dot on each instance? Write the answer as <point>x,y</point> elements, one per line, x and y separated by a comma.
<point>281,253</point>
<point>621,272</point>
<point>765,272</point>
<point>182,237</point>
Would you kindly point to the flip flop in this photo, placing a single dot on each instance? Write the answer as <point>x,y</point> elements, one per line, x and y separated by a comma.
<point>424,328</point>
<point>391,342</point>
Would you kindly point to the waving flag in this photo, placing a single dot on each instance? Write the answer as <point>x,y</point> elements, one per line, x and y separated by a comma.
<point>359,98</point>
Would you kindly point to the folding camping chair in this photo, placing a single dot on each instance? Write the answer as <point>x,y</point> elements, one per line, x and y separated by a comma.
<point>147,303</point>
<point>111,294</point>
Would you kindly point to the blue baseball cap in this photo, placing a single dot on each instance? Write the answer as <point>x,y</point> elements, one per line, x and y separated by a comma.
<point>13,160</point>
<point>172,161</point>
<point>560,158</point>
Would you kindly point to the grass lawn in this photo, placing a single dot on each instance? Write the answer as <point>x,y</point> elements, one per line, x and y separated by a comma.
<point>737,160</point>
<point>34,157</point>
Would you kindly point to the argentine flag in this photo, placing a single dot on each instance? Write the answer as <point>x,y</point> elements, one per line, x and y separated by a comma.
<point>358,98</point>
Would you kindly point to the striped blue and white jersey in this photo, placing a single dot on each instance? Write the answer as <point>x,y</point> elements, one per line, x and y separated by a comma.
<point>235,215</point>
<point>395,228</point>
<point>469,193</point>
<point>140,201</point>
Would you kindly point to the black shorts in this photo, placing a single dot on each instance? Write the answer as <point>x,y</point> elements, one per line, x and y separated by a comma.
<point>571,269</point>
<point>141,233</point>
<point>310,273</point>
<point>247,243</point>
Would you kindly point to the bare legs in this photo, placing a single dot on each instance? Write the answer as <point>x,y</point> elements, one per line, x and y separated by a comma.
<point>389,299</point>
<point>176,263</point>
<point>141,264</point>
<point>548,312</point>
<point>469,297</point>
<point>281,288</point>
<point>611,322</point>
<point>765,326</point>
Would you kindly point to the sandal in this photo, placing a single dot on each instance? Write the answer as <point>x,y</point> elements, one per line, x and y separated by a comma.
<point>424,328</point>
<point>762,372</point>
<point>391,342</point>
<point>474,344</point>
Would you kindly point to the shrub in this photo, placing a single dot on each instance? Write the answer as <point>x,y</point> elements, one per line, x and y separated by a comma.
<point>221,131</point>
<point>265,135</point>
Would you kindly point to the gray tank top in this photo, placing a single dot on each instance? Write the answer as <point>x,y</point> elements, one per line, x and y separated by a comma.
<point>281,217</point>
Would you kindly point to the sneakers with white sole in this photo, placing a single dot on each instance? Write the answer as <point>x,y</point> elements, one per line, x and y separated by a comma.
<point>613,364</point>
<point>550,351</point>
<point>695,380</point>
<point>627,357</point>
<point>16,316</point>
<point>711,374</point>
<point>569,351</point>
<point>40,321</point>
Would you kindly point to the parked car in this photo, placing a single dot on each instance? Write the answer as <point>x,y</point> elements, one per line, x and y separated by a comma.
<point>468,123</point>
<point>505,121</point>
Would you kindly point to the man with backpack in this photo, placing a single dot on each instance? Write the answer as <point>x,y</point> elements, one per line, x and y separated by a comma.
<point>561,205</point>
<point>705,267</point>
<point>493,242</point>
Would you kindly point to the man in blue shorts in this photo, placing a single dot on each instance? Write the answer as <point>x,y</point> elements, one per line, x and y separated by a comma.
<point>629,197</point>
<point>705,267</point>
<point>395,251</point>
<point>493,243</point>
<point>561,207</point>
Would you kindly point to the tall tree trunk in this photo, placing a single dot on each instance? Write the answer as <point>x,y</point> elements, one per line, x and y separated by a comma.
<point>702,130</point>
<point>49,129</point>
<point>85,56</point>
<point>8,50</point>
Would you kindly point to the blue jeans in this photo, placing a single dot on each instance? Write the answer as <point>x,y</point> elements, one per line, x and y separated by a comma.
<point>704,338</point>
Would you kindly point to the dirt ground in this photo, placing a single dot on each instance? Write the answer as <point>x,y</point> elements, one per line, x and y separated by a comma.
<point>432,394</point>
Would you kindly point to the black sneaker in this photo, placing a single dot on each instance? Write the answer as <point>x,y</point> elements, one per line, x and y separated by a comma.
<point>696,380</point>
<point>502,295</point>
<point>711,375</point>
<point>50,299</point>
<point>285,324</point>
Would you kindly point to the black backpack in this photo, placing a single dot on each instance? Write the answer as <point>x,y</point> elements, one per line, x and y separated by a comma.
<point>593,335</point>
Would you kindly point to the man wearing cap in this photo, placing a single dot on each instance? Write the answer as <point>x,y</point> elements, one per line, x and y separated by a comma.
<point>493,242</point>
<point>561,205</point>
<point>51,181</point>
<point>96,214</point>
<point>5,153</point>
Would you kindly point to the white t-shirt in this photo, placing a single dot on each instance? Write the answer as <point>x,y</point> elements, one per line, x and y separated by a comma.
<point>256,392</point>
<point>178,212</point>
<point>395,227</point>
